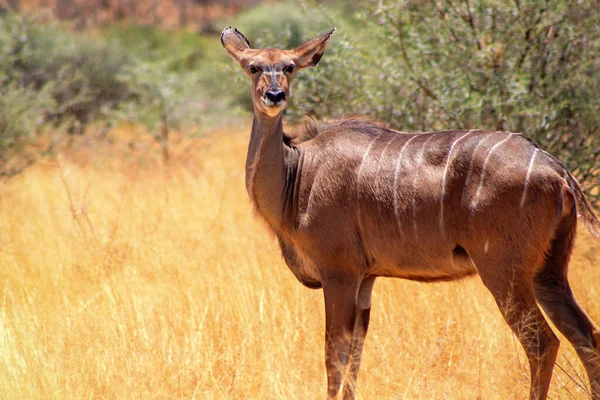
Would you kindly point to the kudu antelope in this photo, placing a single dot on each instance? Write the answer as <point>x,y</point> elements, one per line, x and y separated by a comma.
<point>351,200</point>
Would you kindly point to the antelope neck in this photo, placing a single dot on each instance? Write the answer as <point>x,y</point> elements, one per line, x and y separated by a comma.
<point>266,170</point>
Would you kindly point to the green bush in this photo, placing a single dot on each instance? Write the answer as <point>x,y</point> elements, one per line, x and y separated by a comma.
<point>22,113</point>
<point>184,50</point>
<point>78,73</point>
<point>52,77</point>
<point>176,78</point>
<point>163,100</point>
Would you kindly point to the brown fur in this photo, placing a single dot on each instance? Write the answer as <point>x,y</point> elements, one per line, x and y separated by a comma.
<point>308,130</point>
<point>311,128</point>
<point>352,200</point>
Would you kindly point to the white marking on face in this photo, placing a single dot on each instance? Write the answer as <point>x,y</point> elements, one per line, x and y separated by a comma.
<point>486,246</point>
<point>272,73</point>
<point>524,196</point>
<point>267,102</point>
<point>444,175</point>
<point>481,178</point>
<point>396,181</point>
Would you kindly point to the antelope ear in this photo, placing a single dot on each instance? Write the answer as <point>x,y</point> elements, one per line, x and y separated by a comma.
<point>235,43</point>
<point>309,53</point>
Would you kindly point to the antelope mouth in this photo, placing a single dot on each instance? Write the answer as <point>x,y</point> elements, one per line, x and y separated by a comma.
<point>271,104</point>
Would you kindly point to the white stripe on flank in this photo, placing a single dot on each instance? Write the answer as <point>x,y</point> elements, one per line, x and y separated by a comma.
<point>487,158</point>
<point>394,137</point>
<point>358,174</point>
<point>396,181</point>
<point>444,179</point>
<point>524,196</point>
<point>470,170</point>
<point>364,158</point>
<point>414,185</point>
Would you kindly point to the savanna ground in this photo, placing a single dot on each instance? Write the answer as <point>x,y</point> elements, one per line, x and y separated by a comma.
<point>125,279</point>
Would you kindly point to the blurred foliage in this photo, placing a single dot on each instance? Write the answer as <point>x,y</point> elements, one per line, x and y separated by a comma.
<point>168,99</point>
<point>284,22</point>
<point>184,50</point>
<point>525,66</point>
<point>22,112</point>
<point>51,77</point>
<point>79,74</point>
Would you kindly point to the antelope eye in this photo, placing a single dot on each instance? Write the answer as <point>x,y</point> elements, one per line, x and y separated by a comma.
<point>290,68</point>
<point>252,69</point>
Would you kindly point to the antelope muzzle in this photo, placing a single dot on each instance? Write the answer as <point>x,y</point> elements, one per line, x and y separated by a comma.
<point>274,97</point>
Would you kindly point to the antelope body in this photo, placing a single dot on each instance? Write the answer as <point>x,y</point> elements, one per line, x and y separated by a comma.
<point>351,200</point>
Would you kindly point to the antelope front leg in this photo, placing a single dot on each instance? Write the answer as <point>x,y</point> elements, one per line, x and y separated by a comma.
<point>340,315</point>
<point>361,325</point>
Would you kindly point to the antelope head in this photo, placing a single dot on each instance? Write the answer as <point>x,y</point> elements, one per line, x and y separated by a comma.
<point>271,70</point>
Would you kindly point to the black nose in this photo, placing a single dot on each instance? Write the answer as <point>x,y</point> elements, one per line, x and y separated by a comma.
<point>275,95</point>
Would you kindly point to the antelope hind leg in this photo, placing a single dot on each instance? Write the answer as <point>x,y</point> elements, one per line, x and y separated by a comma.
<point>566,314</point>
<point>517,303</point>
<point>553,292</point>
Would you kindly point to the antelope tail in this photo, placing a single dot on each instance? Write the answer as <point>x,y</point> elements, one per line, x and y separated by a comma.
<point>584,209</point>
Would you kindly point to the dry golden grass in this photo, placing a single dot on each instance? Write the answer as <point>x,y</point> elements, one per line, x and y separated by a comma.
<point>125,280</point>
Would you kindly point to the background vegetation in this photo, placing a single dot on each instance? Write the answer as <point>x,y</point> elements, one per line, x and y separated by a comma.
<point>130,261</point>
<point>522,66</point>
